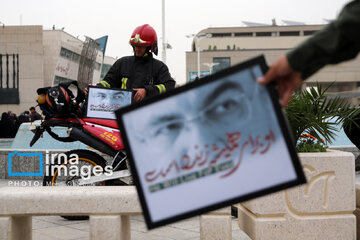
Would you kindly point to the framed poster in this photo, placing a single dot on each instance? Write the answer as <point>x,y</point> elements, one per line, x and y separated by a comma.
<point>214,142</point>
<point>102,102</point>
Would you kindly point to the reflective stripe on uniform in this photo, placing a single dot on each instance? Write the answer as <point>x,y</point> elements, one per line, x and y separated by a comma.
<point>124,81</point>
<point>161,88</point>
<point>105,84</point>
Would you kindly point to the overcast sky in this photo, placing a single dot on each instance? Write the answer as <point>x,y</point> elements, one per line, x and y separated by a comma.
<point>118,18</point>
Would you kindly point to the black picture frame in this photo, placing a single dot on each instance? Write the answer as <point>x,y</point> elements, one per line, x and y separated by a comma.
<point>129,95</point>
<point>283,136</point>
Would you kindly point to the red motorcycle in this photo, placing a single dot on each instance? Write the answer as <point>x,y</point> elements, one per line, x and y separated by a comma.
<point>104,164</point>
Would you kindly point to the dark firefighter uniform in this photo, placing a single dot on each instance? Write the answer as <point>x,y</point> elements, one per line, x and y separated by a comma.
<point>139,72</point>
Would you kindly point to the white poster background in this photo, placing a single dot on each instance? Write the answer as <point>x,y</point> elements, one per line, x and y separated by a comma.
<point>174,138</point>
<point>103,102</point>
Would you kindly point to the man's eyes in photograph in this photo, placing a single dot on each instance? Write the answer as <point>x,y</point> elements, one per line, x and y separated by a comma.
<point>225,106</point>
<point>166,125</point>
<point>226,100</point>
<point>118,96</point>
<point>168,128</point>
<point>101,96</point>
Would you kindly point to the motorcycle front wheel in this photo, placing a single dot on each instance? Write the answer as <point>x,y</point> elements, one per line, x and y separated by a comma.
<point>65,168</point>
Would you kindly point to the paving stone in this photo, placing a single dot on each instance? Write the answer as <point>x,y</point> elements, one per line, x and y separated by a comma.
<point>175,233</point>
<point>39,224</point>
<point>62,232</point>
<point>213,227</point>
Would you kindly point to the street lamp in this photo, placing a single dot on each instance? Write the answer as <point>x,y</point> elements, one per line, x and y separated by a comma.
<point>198,38</point>
<point>211,65</point>
<point>164,44</point>
<point>163,32</point>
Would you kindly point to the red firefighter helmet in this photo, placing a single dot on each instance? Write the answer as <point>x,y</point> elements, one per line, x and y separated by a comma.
<point>145,36</point>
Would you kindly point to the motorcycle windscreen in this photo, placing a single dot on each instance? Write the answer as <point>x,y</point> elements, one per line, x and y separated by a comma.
<point>209,144</point>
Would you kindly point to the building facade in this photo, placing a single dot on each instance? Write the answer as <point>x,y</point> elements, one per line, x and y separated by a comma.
<point>231,45</point>
<point>31,57</point>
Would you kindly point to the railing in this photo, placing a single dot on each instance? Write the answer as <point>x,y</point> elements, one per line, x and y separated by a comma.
<point>109,209</point>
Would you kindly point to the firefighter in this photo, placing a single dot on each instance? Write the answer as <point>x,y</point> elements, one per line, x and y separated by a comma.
<point>141,72</point>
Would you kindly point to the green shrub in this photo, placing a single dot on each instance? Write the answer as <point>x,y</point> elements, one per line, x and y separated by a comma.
<point>312,112</point>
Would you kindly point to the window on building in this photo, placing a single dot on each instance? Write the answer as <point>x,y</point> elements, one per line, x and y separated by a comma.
<point>105,68</point>
<point>9,78</point>
<point>307,33</point>
<point>263,34</point>
<point>224,62</point>
<point>63,52</point>
<point>221,35</point>
<point>97,66</point>
<point>66,53</point>
<point>290,33</point>
<point>243,34</point>
<point>76,57</point>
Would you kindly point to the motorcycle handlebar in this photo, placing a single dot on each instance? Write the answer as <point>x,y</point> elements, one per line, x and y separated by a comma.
<point>39,131</point>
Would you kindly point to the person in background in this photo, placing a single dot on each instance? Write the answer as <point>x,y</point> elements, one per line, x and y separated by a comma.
<point>26,114</point>
<point>24,117</point>
<point>12,116</point>
<point>34,115</point>
<point>7,126</point>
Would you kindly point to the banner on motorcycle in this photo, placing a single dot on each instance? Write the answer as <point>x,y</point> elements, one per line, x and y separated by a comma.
<point>214,142</point>
<point>102,102</point>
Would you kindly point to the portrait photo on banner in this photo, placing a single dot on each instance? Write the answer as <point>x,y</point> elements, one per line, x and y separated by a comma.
<point>211,143</point>
<point>102,102</point>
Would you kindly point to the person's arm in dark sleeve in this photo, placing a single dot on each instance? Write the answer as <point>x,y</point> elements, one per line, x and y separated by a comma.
<point>112,76</point>
<point>166,82</point>
<point>337,42</point>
